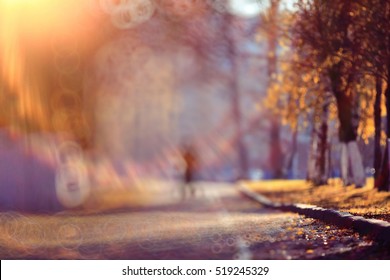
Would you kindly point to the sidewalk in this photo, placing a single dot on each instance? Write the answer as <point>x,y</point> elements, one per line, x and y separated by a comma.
<point>364,210</point>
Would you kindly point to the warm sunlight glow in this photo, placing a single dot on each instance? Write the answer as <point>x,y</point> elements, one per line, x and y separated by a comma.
<point>38,18</point>
<point>29,30</point>
<point>13,66</point>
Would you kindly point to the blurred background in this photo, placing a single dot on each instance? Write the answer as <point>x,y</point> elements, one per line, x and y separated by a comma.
<point>102,96</point>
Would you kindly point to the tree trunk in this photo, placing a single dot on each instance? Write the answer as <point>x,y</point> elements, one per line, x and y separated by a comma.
<point>344,165</point>
<point>311,166</point>
<point>275,155</point>
<point>290,162</point>
<point>243,168</point>
<point>347,131</point>
<point>322,161</point>
<point>383,181</point>
<point>319,156</point>
<point>356,161</point>
<point>385,186</point>
<point>378,130</point>
<point>387,95</point>
<point>384,178</point>
<point>352,169</point>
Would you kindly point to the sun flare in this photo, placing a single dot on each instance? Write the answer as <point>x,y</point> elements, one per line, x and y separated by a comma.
<point>30,33</point>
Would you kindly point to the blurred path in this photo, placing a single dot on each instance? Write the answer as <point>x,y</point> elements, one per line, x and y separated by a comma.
<point>216,224</point>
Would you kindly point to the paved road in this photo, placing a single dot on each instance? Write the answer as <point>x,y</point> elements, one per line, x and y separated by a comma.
<point>216,224</point>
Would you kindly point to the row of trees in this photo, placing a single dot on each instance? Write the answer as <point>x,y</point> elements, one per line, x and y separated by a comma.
<point>336,70</point>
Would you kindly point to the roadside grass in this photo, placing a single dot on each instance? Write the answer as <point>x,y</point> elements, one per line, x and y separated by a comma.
<point>366,201</point>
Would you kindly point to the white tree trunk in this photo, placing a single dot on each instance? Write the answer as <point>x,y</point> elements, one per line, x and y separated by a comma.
<point>358,174</point>
<point>351,160</point>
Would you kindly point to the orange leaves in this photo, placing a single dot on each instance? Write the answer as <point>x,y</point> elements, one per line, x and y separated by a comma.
<point>297,92</point>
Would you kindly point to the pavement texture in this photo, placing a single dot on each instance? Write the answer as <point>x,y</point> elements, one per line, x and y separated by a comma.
<point>374,228</point>
<point>217,223</point>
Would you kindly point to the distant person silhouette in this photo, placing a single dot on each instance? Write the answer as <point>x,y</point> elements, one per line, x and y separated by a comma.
<point>190,167</point>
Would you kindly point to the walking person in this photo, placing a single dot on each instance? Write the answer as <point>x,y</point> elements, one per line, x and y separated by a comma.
<point>190,167</point>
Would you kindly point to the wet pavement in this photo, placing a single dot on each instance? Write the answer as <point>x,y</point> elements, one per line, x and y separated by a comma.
<point>218,223</point>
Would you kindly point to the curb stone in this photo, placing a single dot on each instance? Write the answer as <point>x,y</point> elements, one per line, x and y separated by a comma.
<point>376,229</point>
